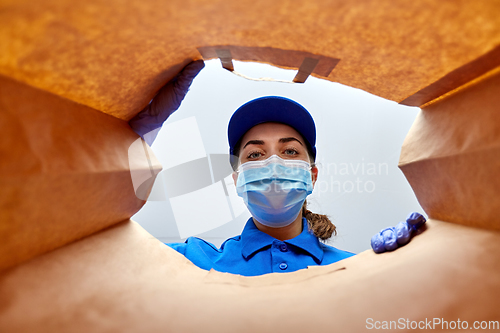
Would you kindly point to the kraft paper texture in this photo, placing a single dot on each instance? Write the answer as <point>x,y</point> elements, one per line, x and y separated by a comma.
<point>73,171</point>
<point>65,171</point>
<point>114,56</point>
<point>451,156</point>
<point>125,280</point>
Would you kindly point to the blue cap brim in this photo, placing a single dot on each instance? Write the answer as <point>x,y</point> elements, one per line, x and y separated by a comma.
<point>271,109</point>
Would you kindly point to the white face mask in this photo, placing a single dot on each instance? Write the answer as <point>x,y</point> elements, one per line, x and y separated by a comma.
<point>275,189</point>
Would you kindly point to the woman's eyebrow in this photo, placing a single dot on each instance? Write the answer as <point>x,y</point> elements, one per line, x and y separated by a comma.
<point>253,142</point>
<point>291,138</point>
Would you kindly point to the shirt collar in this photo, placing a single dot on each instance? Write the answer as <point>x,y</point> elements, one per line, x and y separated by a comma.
<point>254,240</point>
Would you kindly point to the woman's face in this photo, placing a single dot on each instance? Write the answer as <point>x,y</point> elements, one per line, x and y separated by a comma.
<point>267,139</point>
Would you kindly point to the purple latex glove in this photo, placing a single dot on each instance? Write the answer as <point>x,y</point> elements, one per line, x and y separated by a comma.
<point>148,122</point>
<point>391,238</point>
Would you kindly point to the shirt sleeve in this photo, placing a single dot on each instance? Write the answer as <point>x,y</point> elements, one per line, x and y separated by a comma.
<point>179,247</point>
<point>332,254</point>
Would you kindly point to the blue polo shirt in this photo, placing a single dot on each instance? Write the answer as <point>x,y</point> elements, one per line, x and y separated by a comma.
<point>255,252</point>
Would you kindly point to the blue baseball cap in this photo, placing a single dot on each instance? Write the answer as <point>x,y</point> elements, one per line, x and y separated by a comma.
<point>271,109</point>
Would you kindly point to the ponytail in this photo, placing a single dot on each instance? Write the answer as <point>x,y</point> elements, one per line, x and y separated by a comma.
<point>319,224</point>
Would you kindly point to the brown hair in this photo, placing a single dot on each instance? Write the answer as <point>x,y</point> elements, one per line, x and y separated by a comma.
<point>319,224</point>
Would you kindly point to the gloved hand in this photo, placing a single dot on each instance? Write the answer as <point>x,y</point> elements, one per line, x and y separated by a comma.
<point>391,238</point>
<point>148,122</point>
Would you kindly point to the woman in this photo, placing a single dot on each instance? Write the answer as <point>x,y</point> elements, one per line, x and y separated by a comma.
<point>272,148</point>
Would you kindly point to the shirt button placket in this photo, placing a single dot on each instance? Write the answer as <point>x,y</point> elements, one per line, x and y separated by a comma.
<point>279,254</point>
<point>283,248</point>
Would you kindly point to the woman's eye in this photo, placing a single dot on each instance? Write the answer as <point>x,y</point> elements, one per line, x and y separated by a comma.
<point>290,152</point>
<point>254,155</point>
